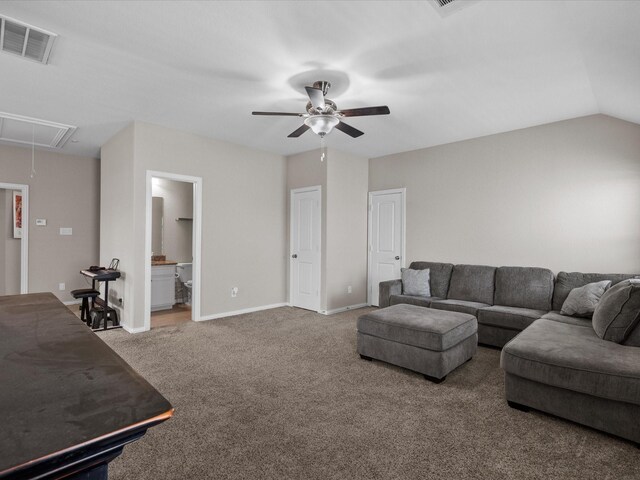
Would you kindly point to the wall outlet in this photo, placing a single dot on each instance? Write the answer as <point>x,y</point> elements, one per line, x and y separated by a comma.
<point>234,292</point>
<point>349,289</point>
<point>41,222</point>
<point>61,286</point>
<point>66,231</point>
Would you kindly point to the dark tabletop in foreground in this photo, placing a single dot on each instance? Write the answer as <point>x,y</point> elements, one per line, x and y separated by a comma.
<point>61,386</point>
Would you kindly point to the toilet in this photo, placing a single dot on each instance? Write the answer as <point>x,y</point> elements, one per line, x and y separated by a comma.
<point>183,271</point>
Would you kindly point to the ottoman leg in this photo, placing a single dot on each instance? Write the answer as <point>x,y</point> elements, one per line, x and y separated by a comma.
<point>364,357</point>
<point>434,379</point>
<point>518,406</point>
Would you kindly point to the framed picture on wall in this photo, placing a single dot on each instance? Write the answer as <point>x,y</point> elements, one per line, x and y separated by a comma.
<point>17,214</point>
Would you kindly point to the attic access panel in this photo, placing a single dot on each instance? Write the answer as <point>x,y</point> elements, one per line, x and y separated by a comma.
<point>25,130</point>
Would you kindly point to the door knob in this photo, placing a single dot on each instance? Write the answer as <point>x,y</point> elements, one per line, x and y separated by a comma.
<point>397,257</point>
<point>294,256</point>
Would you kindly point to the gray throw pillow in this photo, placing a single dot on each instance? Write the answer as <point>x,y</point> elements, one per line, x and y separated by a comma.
<point>582,301</point>
<point>618,313</point>
<point>416,282</point>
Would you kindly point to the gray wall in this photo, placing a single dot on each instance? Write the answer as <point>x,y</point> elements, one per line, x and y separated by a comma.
<point>344,180</point>
<point>65,191</point>
<point>306,170</point>
<point>243,225</point>
<point>178,203</point>
<point>564,195</point>
<point>346,239</point>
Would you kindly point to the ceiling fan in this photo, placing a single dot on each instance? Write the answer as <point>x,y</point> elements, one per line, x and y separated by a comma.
<point>323,114</point>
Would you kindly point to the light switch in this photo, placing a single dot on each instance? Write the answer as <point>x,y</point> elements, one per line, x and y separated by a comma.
<point>66,231</point>
<point>41,222</point>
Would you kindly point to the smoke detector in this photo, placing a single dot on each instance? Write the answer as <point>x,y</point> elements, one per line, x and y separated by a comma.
<point>25,40</point>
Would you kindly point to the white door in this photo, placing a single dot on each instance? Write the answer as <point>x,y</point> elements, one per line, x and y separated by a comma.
<point>305,248</point>
<point>386,238</point>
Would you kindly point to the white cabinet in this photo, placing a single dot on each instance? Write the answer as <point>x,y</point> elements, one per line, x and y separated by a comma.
<point>163,287</point>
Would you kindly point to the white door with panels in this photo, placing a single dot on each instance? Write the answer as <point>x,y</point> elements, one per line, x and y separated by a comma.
<point>386,238</point>
<point>305,248</point>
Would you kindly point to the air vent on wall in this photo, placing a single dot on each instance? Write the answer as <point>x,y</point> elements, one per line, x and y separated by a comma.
<point>19,129</point>
<point>447,7</point>
<point>25,40</point>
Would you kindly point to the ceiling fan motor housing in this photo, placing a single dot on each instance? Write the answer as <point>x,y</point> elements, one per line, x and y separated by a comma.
<point>329,108</point>
<point>322,85</point>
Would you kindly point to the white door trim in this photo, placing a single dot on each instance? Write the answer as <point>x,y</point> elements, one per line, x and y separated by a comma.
<point>315,188</point>
<point>403,192</point>
<point>196,245</point>
<point>24,241</point>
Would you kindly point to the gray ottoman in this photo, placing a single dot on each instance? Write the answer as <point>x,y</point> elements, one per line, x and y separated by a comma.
<point>428,341</point>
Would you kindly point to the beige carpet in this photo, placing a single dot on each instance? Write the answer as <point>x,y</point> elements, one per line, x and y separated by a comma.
<point>282,394</point>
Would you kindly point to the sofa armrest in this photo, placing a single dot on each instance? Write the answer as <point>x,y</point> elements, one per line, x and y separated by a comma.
<point>388,288</point>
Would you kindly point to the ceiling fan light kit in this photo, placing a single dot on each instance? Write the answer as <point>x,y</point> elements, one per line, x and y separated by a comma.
<point>322,124</point>
<point>323,115</point>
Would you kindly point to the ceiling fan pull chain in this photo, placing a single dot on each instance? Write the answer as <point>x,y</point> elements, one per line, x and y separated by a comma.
<point>323,149</point>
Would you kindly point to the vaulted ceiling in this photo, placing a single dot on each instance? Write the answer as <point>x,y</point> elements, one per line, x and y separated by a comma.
<point>202,67</point>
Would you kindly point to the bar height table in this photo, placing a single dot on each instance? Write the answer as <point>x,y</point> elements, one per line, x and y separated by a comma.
<point>105,275</point>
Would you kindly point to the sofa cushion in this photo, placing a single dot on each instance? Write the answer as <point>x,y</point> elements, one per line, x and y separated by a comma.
<point>575,358</point>
<point>415,282</point>
<point>582,301</point>
<point>525,287</point>
<point>515,318</point>
<point>419,327</point>
<point>558,317</point>
<point>462,306</point>
<point>439,276</point>
<point>567,281</point>
<point>411,300</point>
<point>618,312</point>
<point>474,283</point>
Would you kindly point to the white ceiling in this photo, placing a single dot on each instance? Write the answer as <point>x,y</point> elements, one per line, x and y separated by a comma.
<point>203,67</point>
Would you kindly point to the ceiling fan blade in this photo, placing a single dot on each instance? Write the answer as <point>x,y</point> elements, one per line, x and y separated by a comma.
<point>316,96</point>
<point>286,114</point>
<point>361,112</point>
<point>296,133</point>
<point>349,130</point>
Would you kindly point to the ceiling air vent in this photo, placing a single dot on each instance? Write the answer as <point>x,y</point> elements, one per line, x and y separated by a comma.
<point>447,7</point>
<point>25,40</point>
<point>25,130</point>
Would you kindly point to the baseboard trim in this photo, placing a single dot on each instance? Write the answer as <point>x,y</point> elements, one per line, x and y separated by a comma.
<point>344,309</point>
<point>133,330</point>
<point>72,302</point>
<point>215,316</point>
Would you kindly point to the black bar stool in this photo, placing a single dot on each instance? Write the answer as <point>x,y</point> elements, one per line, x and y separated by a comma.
<point>85,294</point>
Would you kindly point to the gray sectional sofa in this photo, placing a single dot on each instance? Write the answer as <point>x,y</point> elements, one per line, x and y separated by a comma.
<point>557,363</point>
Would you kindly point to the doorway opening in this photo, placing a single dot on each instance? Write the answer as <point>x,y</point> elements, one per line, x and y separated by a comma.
<point>14,238</point>
<point>173,243</point>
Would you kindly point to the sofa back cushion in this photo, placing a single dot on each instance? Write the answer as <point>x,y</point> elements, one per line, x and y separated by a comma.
<point>525,287</point>
<point>617,314</point>
<point>567,281</point>
<point>474,283</point>
<point>439,276</point>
